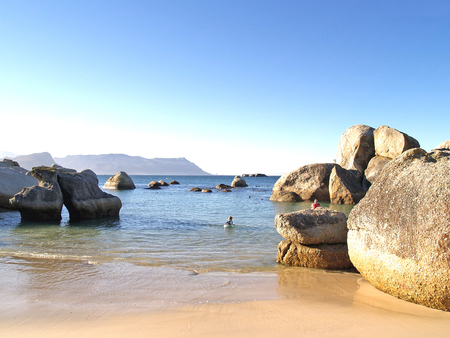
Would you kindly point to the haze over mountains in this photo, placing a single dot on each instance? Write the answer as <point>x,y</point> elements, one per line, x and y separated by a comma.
<point>110,164</point>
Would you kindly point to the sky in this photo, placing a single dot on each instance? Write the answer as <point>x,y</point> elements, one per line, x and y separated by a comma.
<point>233,86</point>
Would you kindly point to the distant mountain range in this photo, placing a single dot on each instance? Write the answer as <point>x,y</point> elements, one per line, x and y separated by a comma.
<point>110,164</point>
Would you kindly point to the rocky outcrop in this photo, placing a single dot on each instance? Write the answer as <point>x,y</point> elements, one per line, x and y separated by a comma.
<point>154,184</point>
<point>443,146</point>
<point>315,239</point>
<point>195,189</point>
<point>41,202</point>
<point>399,233</point>
<point>345,186</point>
<point>253,175</point>
<point>309,182</point>
<point>206,190</point>
<point>239,182</point>
<point>120,181</point>
<point>163,184</point>
<point>174,182</point>
<point>12,180</point>
<point>84,199</point>
<point>356,148</point>
<point>390,142</point>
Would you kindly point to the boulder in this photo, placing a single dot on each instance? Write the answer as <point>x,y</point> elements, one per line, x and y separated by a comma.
<point>223,186</point>
<point>41,202</point>
<point>309,182</point>
<point>84,199</point>
<point>154,184</point>
<point>373,170</point>
<point>163,184</point>
<point>398,235</point>
<point>390,142</point>
<point>356,148</point>
<point>320,256</point>
<point>319,226</point>
<point>174,182</point>
<point>206,190</point>
<point>154,187</point>
<point>238,182</point>
<point>443,146</point>
<point>285,196</point>
<point>226,190</point>
<point>195,189</point>
<point>120,181</point>
<point>345,186</point>
<point>12,180</point>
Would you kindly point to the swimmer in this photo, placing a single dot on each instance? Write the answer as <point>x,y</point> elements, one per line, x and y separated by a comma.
<point>315,205</point>
<point>229,223</point>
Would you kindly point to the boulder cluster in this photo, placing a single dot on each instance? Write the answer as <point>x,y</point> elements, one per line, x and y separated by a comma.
<point>362,154</point>
<point>314,239</point>
<point>78,191</point>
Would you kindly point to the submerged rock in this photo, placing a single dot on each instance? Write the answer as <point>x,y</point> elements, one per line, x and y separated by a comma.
<point>174,182</point>
<point>309,182</point>
<point>285,196</point>
<point>120,181</point>
<point>195,189</point>
<point>223,186</point>
<point>206,190</point>
<point>398,235</point>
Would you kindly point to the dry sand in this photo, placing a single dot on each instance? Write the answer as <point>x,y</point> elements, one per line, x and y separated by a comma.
<point>292,302</point>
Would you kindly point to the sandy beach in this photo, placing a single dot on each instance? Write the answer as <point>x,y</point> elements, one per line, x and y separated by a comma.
<point>293,302</point>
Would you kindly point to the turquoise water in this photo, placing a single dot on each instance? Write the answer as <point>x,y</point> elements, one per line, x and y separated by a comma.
<point>171,227</point>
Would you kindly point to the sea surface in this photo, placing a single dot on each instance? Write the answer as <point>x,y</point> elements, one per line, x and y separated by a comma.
<point>161,239</point>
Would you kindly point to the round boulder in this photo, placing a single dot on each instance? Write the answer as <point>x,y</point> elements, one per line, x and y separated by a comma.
<point>239,182</point>
<point>398,235</point>
<point>390,142</point>
<point>120,181</point>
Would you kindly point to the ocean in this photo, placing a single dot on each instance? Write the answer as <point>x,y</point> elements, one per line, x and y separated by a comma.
<point>161,239</point>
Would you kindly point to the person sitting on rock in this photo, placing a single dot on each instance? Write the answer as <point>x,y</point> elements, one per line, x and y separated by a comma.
<point>229,223</point>
<point>315,205</point>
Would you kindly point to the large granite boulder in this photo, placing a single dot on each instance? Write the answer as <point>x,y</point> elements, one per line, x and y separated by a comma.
<point>13,179</point>
<point>319,256</point>
<point>309,182</point>
<point>345,186</point>
<point>443,146</point>
<point>239,182</point>
<point>41,202</point>
<point>356,148</point>
<point>390,142</point>
<point>120,181</point>
<point>318,226</point>
<point>398,235</point>
<point>222,186</point>
<point>84,199</point>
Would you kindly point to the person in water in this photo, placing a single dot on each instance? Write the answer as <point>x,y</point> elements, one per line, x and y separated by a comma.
<point>229,223</point>
<point>315,205</point>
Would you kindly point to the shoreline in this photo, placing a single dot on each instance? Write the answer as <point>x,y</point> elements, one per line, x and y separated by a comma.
<point>291,302</point>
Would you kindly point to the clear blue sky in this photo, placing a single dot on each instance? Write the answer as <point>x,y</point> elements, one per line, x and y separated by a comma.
<point>234,86</point>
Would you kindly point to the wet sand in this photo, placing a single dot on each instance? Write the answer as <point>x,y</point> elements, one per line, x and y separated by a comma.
<point>291,302</point>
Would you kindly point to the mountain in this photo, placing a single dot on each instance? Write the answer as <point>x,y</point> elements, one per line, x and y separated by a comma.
<point>110,164</point>
<point>34,160</point>
<point>7,154</point>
